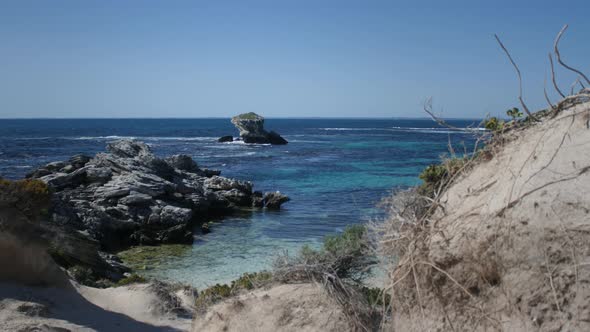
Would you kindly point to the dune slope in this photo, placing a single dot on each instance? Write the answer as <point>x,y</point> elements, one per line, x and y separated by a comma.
<point>509,246</point>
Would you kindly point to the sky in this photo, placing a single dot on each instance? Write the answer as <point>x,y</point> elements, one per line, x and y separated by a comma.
<point>103,59</point>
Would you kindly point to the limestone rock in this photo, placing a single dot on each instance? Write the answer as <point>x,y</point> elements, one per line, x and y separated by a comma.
<point>251,127</point>
<point>274,200</point>
<point>128,196</point>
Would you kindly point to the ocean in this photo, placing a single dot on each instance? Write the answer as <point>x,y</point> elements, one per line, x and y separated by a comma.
<point>334,170</point>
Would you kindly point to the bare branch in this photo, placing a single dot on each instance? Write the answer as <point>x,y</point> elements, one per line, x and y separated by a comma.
<point>526,109</point>
<point>428,109</point>
<point>556,49</point>
<point>547,96</point>
<point>553,77</point>
<point>574,85</point>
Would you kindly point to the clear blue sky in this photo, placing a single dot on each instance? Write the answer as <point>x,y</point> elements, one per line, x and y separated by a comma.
<point>279,58</point>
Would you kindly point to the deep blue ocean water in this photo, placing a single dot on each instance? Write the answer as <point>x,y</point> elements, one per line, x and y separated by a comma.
<point>334,170</point>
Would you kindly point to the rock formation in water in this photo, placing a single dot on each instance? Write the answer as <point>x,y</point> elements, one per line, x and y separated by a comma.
<point>251,127</point>
<point>128,196</point>
<point>274,200</point>
<point>223,139</point>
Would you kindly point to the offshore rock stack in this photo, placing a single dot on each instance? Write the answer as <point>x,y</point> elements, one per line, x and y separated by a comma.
<point>251,127</point>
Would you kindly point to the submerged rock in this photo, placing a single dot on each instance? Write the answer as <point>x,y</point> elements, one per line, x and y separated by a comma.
<point>251,127</point>
<point>128,196</point>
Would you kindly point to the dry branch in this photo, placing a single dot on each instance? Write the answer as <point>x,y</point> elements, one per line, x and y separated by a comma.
<point>547,96</point>
<point>428,109</point>
<point>526,109</point>
<point>553,77</point>
<point>556,49</point>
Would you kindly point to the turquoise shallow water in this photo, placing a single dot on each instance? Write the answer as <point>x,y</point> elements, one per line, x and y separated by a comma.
<point>334,170</point>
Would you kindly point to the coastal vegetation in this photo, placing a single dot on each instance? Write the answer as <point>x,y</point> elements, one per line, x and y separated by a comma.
<point>131,279</point>
<point>30,197</point>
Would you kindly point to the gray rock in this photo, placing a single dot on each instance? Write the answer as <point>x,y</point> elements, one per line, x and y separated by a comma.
<point>176,234</point>
<point>38,173</point>
<point>225,139</point>
<point>172,215</point>
<point>182,162</point>
<point>276,139</point>
<point>128,196</point>
<point>210,172</point>
<point>251,127</point>
<point>68,169</point>
<point>129,149</point>
<point>136,199</point>
<point>257,200</point>
<point>98,174</point>
<point>79,159</point>
<point>55,166</point>
<point>65,180</point>
<point>274,200</point>
<point>111,192</point>
<point>217,183</point>
<point>236,197</point>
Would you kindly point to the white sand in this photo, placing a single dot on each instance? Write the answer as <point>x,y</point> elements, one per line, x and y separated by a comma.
<point>79,308</point>
<point>297,308</point>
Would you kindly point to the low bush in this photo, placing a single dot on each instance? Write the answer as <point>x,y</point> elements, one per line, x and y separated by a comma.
<point>83,275</point>
<point>218,292</point>
<point>494,124</point>
<point>132,279</point>
<point>251,280</point>
<point>435,175</point>
<point>346,255</point>
<point>31,197</point>
<point>514,113</point>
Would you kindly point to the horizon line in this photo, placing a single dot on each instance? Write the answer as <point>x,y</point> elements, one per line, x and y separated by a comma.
<point>229,118</point>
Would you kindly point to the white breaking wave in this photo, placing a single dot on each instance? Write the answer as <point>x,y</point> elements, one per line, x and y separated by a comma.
<point>427,130</point>
<point>352,129</point>
<point>145,138</point>
<point>440,129</point>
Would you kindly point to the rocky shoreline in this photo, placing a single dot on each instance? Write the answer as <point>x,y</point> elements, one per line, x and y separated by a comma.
<point>128,196</point>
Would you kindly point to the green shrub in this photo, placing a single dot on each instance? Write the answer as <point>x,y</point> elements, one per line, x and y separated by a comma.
<point>494,124</point>
<point>132,279</point>
<point>213,294</point>
<point>350,241</point>
<point>346,255</point>
<point>246,281</point>
<point>251,280</point>
<point>514,113</point>
<point>83,275</point>
<point>434,175</point>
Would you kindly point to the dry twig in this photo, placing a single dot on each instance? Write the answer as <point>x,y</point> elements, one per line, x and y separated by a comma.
<point>556,49</point>
<point>526,109</point>
<point>553,77</point>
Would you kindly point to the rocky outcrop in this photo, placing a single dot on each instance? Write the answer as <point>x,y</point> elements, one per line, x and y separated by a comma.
<point>128,196</point>
<point>251,127</point>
